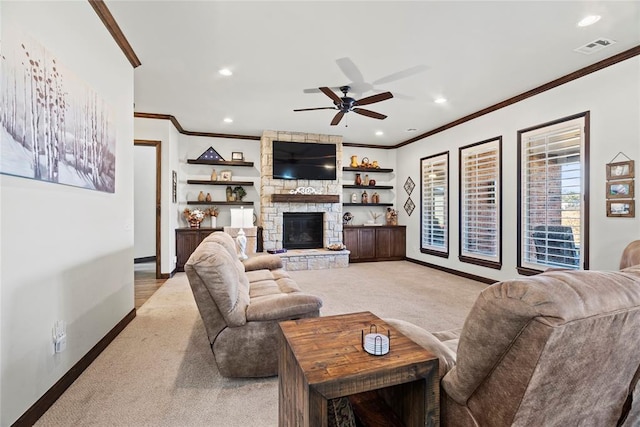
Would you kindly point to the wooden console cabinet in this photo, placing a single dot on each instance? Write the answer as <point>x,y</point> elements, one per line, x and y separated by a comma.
<point>375,243</point>
<point>187,240</point>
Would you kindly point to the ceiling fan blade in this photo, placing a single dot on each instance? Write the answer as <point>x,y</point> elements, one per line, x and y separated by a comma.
<point>401,74</point>
<point>331,94</point>
<point>350,69</point>
<point>337,118</point>
<point>399,95</point>
<point>374,98</point>
<point>317,90</point>
<point>317,108</point>
<point>369,113</point>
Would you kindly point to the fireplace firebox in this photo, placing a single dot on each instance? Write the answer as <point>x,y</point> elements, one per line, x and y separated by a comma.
<point>303,230</point>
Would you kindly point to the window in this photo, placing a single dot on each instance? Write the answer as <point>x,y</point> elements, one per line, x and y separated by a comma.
<point>552,189</point>
<point>481,203</point>
<point>434,212</point>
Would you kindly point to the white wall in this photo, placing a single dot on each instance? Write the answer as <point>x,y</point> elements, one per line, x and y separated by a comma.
<point>66,252</point>
<point>144,178</point>
<point>613,98</point>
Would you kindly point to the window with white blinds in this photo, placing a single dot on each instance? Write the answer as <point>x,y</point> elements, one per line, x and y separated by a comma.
<point>480,203</point>
<point>434,215</point>
<point>552,215</point>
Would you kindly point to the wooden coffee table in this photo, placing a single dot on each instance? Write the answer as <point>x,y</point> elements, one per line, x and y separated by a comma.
<point>322,358</point>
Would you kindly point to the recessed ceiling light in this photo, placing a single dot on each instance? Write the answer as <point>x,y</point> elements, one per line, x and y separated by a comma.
<point>440,100</point>
<point>589,20</point>
<point>228,120</point>
<point>379,133</point>
<point>225,72</point>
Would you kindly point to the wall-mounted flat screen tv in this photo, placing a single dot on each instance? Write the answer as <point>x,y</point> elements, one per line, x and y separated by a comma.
<point>297,160</point>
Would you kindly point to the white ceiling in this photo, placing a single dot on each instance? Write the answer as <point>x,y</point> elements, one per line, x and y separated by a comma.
<point>473,53</point>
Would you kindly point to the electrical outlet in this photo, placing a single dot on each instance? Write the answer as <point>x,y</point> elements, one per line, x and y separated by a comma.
<point>59,336</point>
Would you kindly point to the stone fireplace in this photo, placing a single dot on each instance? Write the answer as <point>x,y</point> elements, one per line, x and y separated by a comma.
<point>302,230</point>
<point>275,198</point>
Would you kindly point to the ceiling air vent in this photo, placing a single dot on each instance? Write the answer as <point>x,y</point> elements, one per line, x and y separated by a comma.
<point>594,46</point>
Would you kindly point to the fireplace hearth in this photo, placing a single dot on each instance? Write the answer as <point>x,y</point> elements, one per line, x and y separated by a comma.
<point>302,230</point>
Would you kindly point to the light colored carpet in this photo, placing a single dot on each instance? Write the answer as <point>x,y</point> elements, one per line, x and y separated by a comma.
<point>160,370</point>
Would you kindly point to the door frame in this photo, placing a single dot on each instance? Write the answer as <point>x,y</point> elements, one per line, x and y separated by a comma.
<point>158,147</point>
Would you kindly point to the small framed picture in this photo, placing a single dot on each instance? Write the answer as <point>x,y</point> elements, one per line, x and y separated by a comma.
<point>225,175</point>
<point>620,170</point>
<point>174,186</point>
<point>237,155</point>
<point>620,189</point>
<point>621,208</point>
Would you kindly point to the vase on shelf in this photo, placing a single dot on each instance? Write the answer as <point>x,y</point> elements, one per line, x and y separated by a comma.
<point>214,175</point>
<point>365,198</point>
<point>358,179</point>
<point>214,221</point>
<point>194,223</point>
<point>354,161</point>
<point>201,197</point>
<point>208,197</point>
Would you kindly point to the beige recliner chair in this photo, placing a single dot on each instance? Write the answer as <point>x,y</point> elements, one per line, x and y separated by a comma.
<point>558,349</point>
<point>241,305</point>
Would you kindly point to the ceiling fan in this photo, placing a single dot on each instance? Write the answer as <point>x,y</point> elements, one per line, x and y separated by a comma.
<point>347,104</point>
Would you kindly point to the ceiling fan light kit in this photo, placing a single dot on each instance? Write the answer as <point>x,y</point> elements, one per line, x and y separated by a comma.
<point>346,104</point>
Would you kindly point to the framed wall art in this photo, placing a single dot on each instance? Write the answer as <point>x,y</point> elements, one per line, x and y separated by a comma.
<point>621,208</point>
<point>620,189</point>
<point>237,156</point>
<point>225,175</point>
<point>620,170</point>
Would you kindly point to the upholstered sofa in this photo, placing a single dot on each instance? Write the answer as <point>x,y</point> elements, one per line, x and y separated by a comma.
<point>242,303</point>
<point>558,349</point>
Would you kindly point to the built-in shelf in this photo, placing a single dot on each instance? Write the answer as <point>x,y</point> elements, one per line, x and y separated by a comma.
<point>350,169</point>
<point>209,182</point>
<point>219,162</point>
<point>372,187</point>
<point>367,204</point>
<point>214,202</point>
<point>305,198</point>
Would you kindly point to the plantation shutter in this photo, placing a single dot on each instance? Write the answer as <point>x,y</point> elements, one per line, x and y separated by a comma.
<point>435,204</point>
<point>480,203</point>
<point>552,195</point>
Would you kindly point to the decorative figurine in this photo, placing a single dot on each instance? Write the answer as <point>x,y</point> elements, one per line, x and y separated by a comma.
<point>354,198</point>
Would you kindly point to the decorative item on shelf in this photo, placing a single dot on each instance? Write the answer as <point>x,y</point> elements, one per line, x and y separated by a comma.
<point>358,180</point>
<point>375,165</point>
<point>213,214</point>
<point>240,193</point>
<point>375,216</point>
<point>365,162</point>
<point>214,175</point>
<point>237,155</point>
<point>365,181</point>
<point>305,190</point>
<point>365,197</point>
<point>201,196</point>
<point>225,175</point>
<point>229,193</point>
<point>372,183</point>
<point>354,198</point>
<point>347,217</point>
<point>241,218</point>
<point>354,161</point>
<point>392,216</point>
<point>210,154</point>
<point>174,186</point>
<point>375,198</point>
<point>207,198</point>
<point>194,217</point>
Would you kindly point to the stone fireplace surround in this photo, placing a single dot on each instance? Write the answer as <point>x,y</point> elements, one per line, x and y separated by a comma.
<point>271,212</point>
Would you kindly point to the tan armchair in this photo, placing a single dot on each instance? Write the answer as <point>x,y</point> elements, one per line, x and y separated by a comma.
<point>241,308</point>
<point>558,349</point>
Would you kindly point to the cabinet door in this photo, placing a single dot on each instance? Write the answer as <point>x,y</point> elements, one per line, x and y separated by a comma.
<point>398,242</point>
<point>367,243</point>
<point>351,242</point>
<point>383,242</point>
<point>186,242</point>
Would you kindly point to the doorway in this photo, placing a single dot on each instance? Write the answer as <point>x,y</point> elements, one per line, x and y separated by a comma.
<point>148,203</point>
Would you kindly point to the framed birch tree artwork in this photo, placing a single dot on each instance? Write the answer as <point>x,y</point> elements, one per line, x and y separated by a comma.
<point>53,126</point>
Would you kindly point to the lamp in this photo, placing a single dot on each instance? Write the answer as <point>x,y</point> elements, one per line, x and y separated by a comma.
<point>241,218</point>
